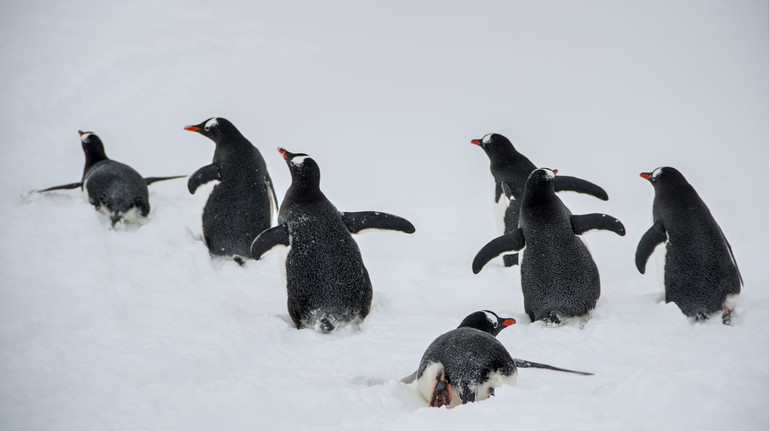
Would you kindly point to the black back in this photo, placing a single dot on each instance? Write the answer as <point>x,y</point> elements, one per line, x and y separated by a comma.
<point>327,281</point>
<point>558,275</point>
<point>111,184</point>
<point>239,207</point>
<point>700,269</point>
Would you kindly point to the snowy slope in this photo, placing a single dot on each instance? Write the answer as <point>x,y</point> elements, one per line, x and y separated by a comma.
<point>139,329</point>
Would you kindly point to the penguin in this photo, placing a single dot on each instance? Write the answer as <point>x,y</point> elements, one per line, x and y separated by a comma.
<point>326,280</point>
<point>700,273</point>
<point>510,170</point>
<point>467,364</point>
<point>241,205</point>
<point>114,189</point>
<point>559,278</point>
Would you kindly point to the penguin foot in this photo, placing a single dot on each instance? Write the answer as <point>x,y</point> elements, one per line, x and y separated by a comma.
<point>727,316</point>
<point>442,391</point>
<point>553,319</point>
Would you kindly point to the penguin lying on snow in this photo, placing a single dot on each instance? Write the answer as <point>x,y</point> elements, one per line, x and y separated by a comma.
<point>559,278</point>
<point>510,170</point>
<point>467,364</point>
<point>241,206</point>
<point>700,273</point>
<point>326,280</point>
<point>113,188</point>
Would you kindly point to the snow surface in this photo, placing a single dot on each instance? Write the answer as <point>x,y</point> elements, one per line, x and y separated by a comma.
<point>138,328</point>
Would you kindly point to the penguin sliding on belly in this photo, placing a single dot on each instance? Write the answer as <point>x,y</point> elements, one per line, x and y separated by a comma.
<point>241,206</point>
<point>510,170</point>
<point>700,274</point>
<point>113,188</point>
<point>467,364</point>
<point>559,278</point>
<point>326,280</point>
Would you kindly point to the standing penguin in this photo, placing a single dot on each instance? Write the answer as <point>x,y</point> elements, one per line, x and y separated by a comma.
<point>559,278</point>
<point>467,364</point>
<point>113,188</point>
<point>510,170</point>
<point>700,273</point>
<point>241,206</point>
<point>326,280</point>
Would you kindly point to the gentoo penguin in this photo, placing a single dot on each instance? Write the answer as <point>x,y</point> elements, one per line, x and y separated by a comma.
<point>510,170</point>
<point>700,273</point>
<point>241,206</point>
<point>326,280</point>
<point>113,188</point>
<point>559,278</point>
<point>467,364</point>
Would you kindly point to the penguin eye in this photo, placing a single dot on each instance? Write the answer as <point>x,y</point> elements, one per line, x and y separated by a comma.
<point>207,128</point>
<point>494,325</point>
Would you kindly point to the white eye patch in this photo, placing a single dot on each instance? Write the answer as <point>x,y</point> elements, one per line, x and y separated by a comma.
<point>486,138</point>
<point>211,123</point>
<point>656,173</point>
<point>299,160</point>
<point>491,317</point>
<point>549,173</point>
<point>84,136</point>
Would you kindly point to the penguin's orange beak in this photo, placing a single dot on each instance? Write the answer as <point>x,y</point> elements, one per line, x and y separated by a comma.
<point>645,175</point>
<point>192,128</point>
<point>476,142</point>
<point>555,171</point>
<point>283,153</point>
<point>508,322</point>
<point>80,133</point>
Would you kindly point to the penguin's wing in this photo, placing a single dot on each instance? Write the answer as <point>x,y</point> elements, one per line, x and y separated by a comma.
<point>512,241</point>
<point>202,176</point>
<point>358,222</point>
<point>498,190</point>
<point>62,187</point>
<point>268,239</point>
<point>507,190</point>
<point>588,222</point>
<point>563,183</point>
<point>655,235</point>
<point>150,180</point>
<point>520,363</point>
<point>271,191</point>
<point>410,378</point>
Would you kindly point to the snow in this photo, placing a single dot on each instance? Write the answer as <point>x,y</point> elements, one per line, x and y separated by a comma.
<point>138,328</point>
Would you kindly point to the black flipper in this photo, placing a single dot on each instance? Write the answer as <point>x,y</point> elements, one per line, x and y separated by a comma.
<point>275,236</point>
<point>498,191</point>
<point>62,187</point>
<point>359,221</point>
<point>150,180</point>
<point>520,363</point>
<point>654,236</point>
<point>563,183</point>
<point>202,176</point>
<point>587,222</point>
<point>513,241</point>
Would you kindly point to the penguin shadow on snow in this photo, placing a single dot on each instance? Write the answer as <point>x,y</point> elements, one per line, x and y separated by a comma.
<point>116,190</point>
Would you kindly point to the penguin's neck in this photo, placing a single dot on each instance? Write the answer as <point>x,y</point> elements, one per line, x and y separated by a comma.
<point>94,156</point>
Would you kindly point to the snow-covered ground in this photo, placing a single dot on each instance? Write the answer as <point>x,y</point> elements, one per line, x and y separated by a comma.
<point>134,329</point>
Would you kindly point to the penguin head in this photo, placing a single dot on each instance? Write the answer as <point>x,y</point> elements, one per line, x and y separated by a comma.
<point>662,175</point>
<point>92,146</point>
<point>541,178</point>
<point>487,321</point>
<point>215,128</point>
<point>494,144</point>
<point>304,170</point>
